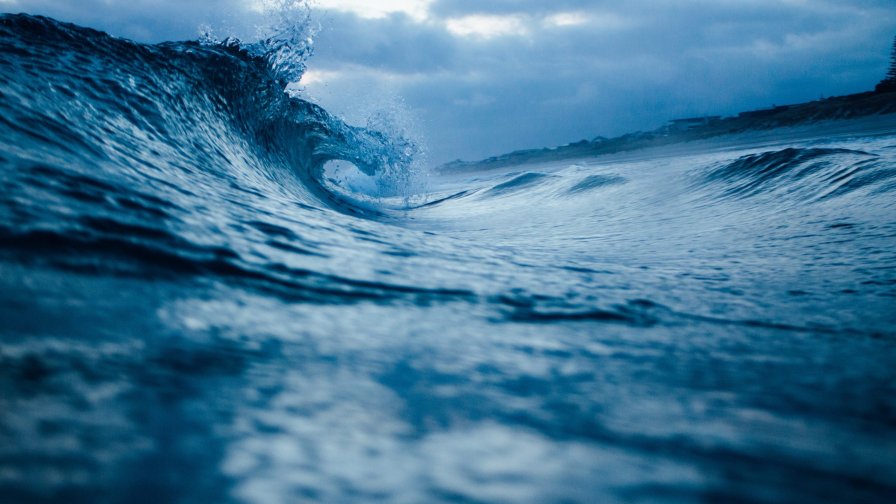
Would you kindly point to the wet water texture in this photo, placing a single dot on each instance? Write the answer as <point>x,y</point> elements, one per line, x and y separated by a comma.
<point>195,309</point>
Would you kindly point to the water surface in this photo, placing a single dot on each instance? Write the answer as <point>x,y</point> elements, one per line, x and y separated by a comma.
<point>198,305</point>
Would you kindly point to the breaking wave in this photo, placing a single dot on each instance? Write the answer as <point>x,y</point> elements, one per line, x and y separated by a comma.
<point>804,173</point>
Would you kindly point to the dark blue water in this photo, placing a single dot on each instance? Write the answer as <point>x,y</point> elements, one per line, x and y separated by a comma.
<point>213,292</point>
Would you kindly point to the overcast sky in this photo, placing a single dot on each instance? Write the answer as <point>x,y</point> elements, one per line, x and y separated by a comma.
<point>484,77</point>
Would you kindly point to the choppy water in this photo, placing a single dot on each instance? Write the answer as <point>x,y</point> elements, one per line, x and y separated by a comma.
<point>197,305</point>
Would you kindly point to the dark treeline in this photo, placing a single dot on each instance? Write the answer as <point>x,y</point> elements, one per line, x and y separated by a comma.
<point>889,83</point>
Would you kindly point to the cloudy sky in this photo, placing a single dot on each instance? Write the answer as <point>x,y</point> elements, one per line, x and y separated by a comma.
<point>483,77</point>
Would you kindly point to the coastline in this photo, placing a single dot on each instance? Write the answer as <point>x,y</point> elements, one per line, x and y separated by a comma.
<point>867,114</point>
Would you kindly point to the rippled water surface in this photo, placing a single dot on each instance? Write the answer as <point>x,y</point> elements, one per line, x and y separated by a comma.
<point>197,306</point>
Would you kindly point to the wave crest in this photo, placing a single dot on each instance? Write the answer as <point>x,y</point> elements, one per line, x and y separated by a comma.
<point>806,174</point>
<point>84,99</point>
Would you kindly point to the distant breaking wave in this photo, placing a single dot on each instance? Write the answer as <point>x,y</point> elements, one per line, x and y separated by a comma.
<point>812,173</point>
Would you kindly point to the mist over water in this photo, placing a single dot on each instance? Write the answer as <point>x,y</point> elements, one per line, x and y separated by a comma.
<point>214,291</point>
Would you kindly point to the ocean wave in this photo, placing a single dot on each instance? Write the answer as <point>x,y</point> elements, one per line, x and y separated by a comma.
<point>93,100</point>
<point>806,174</point>
<point>519,182</point>
<point>213,290</point>
<point>593,182</point>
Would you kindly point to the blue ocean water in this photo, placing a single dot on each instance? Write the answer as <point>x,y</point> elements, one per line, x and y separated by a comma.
<point>211,291</point>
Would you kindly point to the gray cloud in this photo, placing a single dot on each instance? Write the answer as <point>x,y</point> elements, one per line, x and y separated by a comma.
<point>144,20</point>
<point>395,42</point>
<point>448,8</point>
<point>556,71</point>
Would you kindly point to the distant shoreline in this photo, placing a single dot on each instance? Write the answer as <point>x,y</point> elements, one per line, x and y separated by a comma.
<point>837,113</point>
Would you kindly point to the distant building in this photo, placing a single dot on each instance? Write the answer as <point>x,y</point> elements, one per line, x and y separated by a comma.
<point>690,123</point>
<point>755,114</point>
